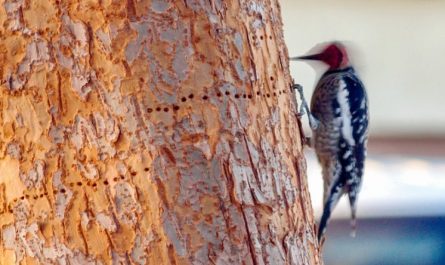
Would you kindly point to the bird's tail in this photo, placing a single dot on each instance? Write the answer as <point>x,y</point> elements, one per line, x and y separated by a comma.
<point>324,222</point>
<point>353,204</point>
<point>331,202</point>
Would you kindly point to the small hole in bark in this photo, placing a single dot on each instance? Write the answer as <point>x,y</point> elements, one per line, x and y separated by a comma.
<point>268,95</point>
<point>227,93</point>
<point>146,169</point>
<point>41,195</point>
<point>258,93</point>
<point>218,94</point>
<point>274,94</point>
<point>205,97</point>
<point>54,192</point>
<point>133,173</point>
<point>158,109</point>
<point>123,177</point>
<point>149,110</point>
<point>94,185</point>
<point>46,193</point>
<point>165,109</point>
<point>115,179</point>
<point>191,96</point>
<point>270,37</point>
<point>175,107</point>
<point>36,197</point>
<point>244,96</point>
<point>183,99</point>
<point>271,78</point>
<point>79,183</point>
<point>249,96</point>
<point>22,198</point>
<point>236,96</point>
<point>71,184</point>
<point>261,37</point>
<point>105,182</point>
<point>62,190</point>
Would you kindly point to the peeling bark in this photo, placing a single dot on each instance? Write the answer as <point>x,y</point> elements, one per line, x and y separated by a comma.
<point>149,132</point>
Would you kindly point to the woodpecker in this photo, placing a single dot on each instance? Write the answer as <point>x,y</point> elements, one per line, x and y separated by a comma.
<point>338,118</point>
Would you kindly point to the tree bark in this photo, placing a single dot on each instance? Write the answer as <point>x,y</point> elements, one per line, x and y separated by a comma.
<point>149,132</point>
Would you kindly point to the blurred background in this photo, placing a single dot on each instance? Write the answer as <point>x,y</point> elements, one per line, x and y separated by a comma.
<point>398,49</point>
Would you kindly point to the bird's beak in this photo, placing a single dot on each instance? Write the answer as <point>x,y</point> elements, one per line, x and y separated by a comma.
<point>307,57</point>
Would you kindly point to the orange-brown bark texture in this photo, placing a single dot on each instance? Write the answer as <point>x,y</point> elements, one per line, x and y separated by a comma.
<point>149,132</point>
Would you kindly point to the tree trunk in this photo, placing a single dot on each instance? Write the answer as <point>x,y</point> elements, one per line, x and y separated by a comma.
<point>149,132</point>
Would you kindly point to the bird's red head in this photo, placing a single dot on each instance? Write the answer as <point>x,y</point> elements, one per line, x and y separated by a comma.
<point>334,55</point>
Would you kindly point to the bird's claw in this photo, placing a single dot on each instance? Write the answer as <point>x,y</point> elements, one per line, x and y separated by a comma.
<point>308,141</point>
<point>298,87</point>
<point>304,108</point>
<point>303,104</point>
